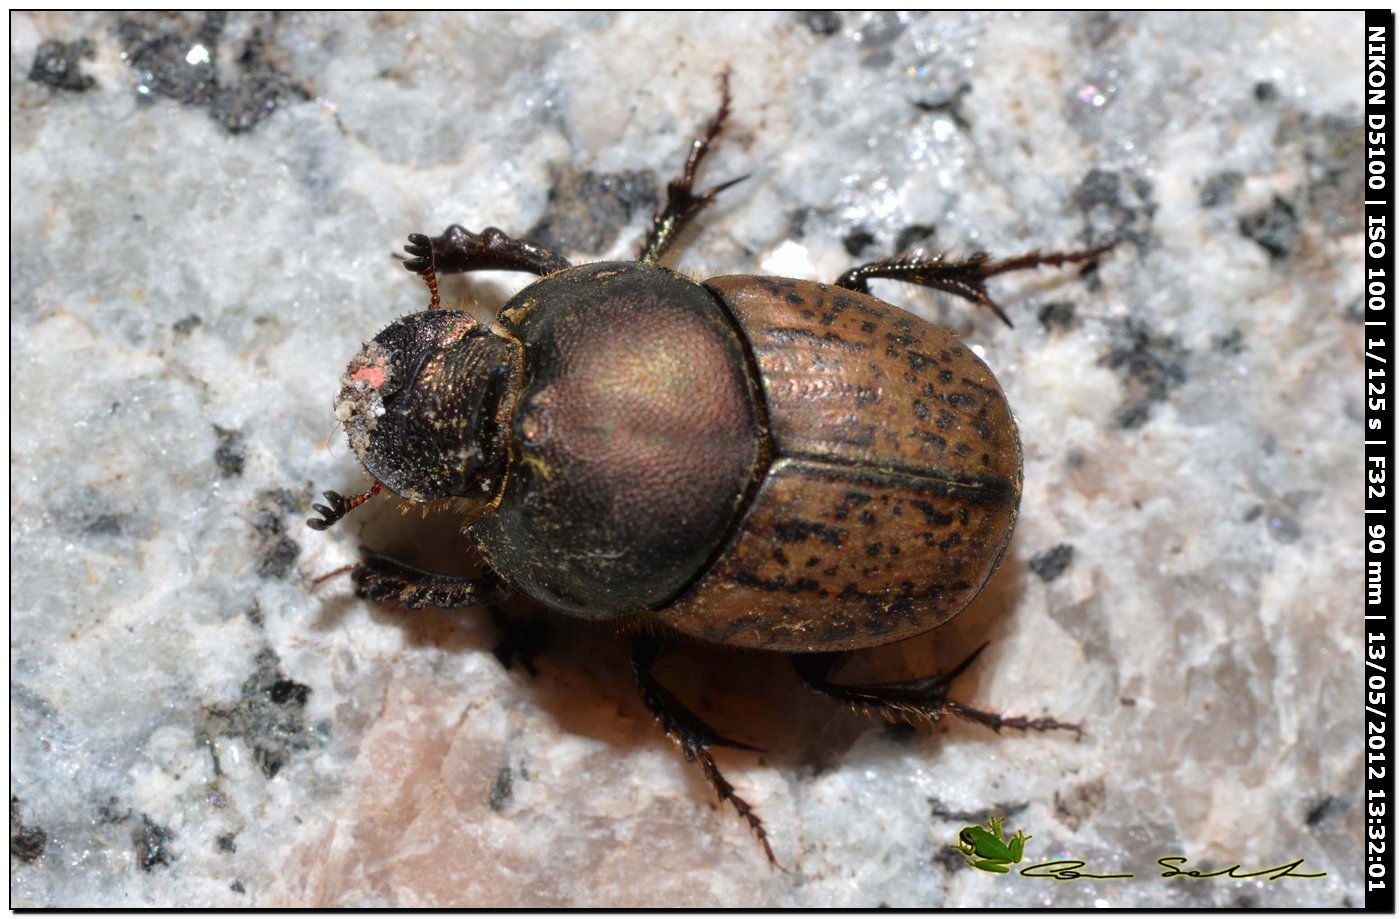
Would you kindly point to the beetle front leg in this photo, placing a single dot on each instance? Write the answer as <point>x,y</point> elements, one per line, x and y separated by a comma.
<point>966,278</point>
<point>459,250</point>
<point>914,700</point>
<point>682,204</point>
<point>339,507</point>
<point>378,577</point>
<point>692,735</point>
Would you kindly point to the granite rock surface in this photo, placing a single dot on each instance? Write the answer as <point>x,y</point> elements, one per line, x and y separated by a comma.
<point>203,213</point>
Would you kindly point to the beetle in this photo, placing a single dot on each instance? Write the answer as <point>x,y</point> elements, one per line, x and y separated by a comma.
<point>759,462</point>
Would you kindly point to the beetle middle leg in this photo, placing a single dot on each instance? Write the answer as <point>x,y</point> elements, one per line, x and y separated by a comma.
<point>682,204</point>
<point>912,701</point>
<point>692,735</point>
<point>966,278</point>
<point>379,577</point>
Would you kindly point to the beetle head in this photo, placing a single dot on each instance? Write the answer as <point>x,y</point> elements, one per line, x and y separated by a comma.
<point>426,405</point>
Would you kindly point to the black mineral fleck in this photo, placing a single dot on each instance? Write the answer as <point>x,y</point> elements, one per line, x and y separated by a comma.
<point>1058,314</point>
<point>1116,206</point>
<point>821,22</point>
<point>276,551</point>
<point>178,55</point>
<point>229,455</point>
<point>1150,365</point>
<point>187,325</point>
<point>27,842</point>
<point>152,841</point>
<point>1052,563</point>
<point>56,65</point>
<point>1275,228</point>
<point>1221,188</point>
<point>269,716</point>
<point>857,241</point>
<point>502,790</point>
<point>586,210</point>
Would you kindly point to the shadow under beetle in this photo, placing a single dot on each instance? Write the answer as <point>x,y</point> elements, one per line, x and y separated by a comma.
<point>753,461</point>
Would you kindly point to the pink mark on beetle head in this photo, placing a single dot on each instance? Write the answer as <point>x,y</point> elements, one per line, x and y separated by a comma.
<point>372,373</point>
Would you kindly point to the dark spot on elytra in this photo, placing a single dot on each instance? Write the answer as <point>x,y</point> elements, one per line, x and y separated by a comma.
<point>838,631</point>
<point>790,531</point>
<point>796,298</point>
<point>780,557</point>
<point>963,449</point>
<point>828,318</point>
<point>983,429</point>
<point>867,326</point>
<point>921,410</point>
<point>945,376</point>
<point>934,440</point>
<point>780,584</point>
<point>932,514</point>
<point>920,362</point>
<point>786,337</point>
<point>875,548</point>
<point>855,433</point>
<point>867,518</point>
<point>901,339</point>
<point>950,541</point>
<point>960,400</point>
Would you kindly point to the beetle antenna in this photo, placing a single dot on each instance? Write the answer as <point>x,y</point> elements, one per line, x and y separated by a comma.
<point>429,277</point>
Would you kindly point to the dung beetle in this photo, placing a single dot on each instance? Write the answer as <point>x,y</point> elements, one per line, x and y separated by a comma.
<point>751,461</point>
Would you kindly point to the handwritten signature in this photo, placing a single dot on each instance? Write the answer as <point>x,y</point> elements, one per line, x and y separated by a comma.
<point>1068,869</point>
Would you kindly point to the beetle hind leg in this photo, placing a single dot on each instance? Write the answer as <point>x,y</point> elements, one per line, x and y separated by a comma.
<point>965,278</point>
<point>692,735</point>
<point>913,701</point>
